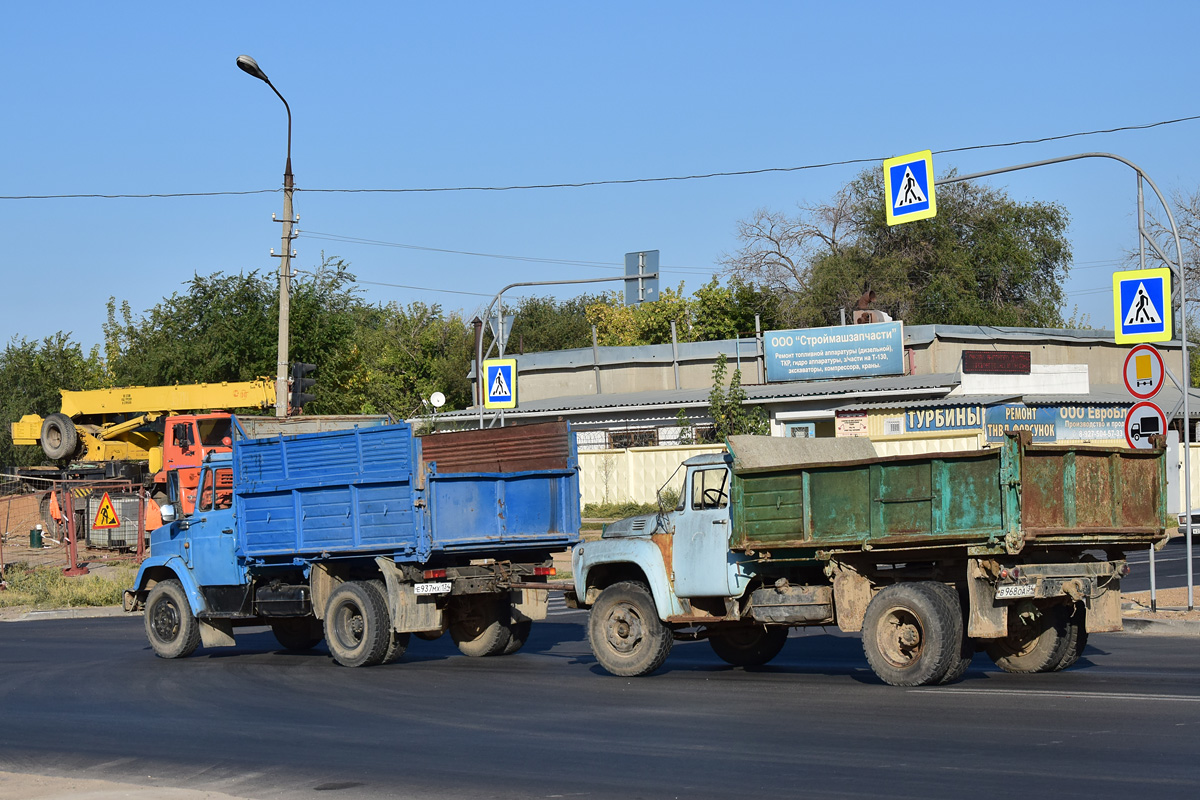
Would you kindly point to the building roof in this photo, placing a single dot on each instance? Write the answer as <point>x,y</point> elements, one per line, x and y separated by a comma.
<point>756,394</point>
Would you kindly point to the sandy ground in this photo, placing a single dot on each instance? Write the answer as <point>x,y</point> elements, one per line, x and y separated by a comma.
<point>18,786</point>
<point>1171,604</point>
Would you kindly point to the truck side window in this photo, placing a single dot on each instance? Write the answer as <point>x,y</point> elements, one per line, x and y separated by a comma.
<point>223,497</point>
<point>708,488</point>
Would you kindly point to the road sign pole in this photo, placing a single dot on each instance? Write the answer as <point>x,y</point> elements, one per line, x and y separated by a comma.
<point>1177,269</point>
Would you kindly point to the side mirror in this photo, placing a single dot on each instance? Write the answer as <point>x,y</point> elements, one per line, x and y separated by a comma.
<point>168,513</point>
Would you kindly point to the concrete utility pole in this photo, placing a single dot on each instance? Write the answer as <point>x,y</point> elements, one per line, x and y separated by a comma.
<point>250,67</point>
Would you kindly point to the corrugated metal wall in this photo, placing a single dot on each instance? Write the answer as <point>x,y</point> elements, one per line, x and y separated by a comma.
<point>634,474</point>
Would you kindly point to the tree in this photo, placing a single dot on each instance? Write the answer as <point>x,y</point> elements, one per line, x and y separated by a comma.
<point>984,260</point>
<point>728,408</point>
<point>543,324</point>
<point>31,375</point>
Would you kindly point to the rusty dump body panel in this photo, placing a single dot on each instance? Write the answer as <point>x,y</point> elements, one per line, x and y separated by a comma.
<point>1001,498</point>
<point>519,448</point>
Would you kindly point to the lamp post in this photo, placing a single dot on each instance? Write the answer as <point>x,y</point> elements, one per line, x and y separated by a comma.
<point>250,67</point>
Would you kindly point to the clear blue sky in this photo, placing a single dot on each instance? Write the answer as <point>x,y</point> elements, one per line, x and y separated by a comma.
<point>140,98</point>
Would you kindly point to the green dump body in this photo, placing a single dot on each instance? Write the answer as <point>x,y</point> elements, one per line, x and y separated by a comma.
<point>996,500</point>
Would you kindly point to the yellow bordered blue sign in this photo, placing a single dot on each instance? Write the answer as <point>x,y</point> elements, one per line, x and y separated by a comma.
<point>500,376</point>
<point>908,186</point>
<point>1142,305</point>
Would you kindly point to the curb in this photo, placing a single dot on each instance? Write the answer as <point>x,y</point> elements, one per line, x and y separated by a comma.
<point>88,612</point>
<point>1161,627</point>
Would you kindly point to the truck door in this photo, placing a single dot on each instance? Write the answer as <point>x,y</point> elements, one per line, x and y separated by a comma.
<point>701,558</point>
<point>210,531</point>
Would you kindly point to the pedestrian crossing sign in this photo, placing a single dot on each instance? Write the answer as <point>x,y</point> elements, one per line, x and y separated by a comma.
<point>908,184</point>
<point>500,379</point>
<point>1142,305</point>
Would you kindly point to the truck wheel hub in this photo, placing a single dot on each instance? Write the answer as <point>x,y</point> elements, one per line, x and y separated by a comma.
<point>624,630</point>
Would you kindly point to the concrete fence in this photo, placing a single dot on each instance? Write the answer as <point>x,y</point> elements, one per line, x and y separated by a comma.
<point>634,474</point>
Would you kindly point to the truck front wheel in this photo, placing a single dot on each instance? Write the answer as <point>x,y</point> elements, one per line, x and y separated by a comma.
<point>912,634</point>
<point>1038,640</point>
<point>627,637</point>
<point>357,628</point>
<point>748,646</point>
<point>170,625</point>
<point>480,626</point>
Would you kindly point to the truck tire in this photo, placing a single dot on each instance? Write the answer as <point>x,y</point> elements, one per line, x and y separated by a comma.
<point>357,628</point>
<point>518,634</point>
<point>298,633</point>
<point>170,625</point>
<point>399,641</point>
<point>748,645</point>
<point>912,634</point>
<point>480,626</point>
<point>1078,636</point>
<point>967,651</point>
<point>1036,646</point>
<point>59,437</point>
<point>626,635</point>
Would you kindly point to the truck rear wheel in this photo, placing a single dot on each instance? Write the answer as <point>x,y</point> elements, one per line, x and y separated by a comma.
<point>518,634</point>
<point>1040,644</point>
<point>480,627</point>
<point>627,637</point>
<point>170,625</point>
<point>966,651</point>
<point>357,628</point>
<point>912,634</point>
<point>1078,636</point>
<point>297,633</point>
<point>748,645</point>
<point>59,437</point>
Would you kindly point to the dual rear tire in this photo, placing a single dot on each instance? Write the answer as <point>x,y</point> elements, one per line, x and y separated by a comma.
<point>913,634</point>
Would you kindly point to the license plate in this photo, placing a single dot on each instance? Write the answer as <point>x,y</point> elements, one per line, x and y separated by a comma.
<point>1016,590</point>
<point>439,587</point>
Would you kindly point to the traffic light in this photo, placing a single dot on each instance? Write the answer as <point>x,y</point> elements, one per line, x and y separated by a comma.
<point>300,383</point>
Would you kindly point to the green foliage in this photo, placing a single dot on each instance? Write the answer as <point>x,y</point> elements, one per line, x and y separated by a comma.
<point>618,510</point>
<point>31,375</point>
<point>713,312</point>
<point>543,324</point>
<point>985,259</point>
<point>47,587</point>
<point>727,406</point>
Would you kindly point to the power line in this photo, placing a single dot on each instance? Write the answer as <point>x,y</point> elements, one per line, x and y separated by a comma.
<point>618,182</point>
<point>335,237</point>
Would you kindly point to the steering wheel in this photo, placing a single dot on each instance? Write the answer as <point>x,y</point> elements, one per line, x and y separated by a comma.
<point>713,497</point>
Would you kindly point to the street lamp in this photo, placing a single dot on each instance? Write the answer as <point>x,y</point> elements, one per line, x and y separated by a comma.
<point>250,67</point>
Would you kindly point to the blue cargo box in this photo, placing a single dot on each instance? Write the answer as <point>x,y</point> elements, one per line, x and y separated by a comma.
<point>374,490</point>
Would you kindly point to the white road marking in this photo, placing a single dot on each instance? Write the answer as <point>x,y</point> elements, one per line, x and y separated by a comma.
<point>1177,698</point>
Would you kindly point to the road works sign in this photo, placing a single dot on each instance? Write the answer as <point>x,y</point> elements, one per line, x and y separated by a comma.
<point>1144,372</point>
<point>908,183</point>
<point>106,515</point>
<point>500,376</point>
<point>1142,305</point>
<point>1143,421</point>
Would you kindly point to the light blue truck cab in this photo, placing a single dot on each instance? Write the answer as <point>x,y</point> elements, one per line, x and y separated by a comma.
<point>363,536</point>
<point>931,556</point>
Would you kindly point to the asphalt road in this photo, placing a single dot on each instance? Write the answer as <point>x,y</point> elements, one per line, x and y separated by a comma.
<point>88,698</point>
<point>1170,567</point>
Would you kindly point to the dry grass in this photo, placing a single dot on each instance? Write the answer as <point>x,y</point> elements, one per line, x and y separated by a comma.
<point>47,587</point>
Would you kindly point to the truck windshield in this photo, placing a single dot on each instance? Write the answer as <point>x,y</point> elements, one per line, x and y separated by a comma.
<point>708,488</point>
<point>214,432</point>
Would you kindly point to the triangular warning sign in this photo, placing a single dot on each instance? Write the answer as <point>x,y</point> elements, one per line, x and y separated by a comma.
<point>500,386</point>
<point>1142,310</point>
<point>106,515</point>
<point>909,192</point>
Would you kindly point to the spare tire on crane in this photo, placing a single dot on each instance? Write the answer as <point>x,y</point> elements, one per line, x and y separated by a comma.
<point>59,437</point>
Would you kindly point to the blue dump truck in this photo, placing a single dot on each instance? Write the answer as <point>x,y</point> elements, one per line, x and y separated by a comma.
<point>363,537</point>
<point>1017,551</point>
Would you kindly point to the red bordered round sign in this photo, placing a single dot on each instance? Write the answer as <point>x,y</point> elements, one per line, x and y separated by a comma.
<point>1143,421</point>
<point>1144,372</point>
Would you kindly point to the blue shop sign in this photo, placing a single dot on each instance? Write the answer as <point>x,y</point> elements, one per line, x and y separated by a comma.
<point>848,351</point>
<point>952,418</point>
